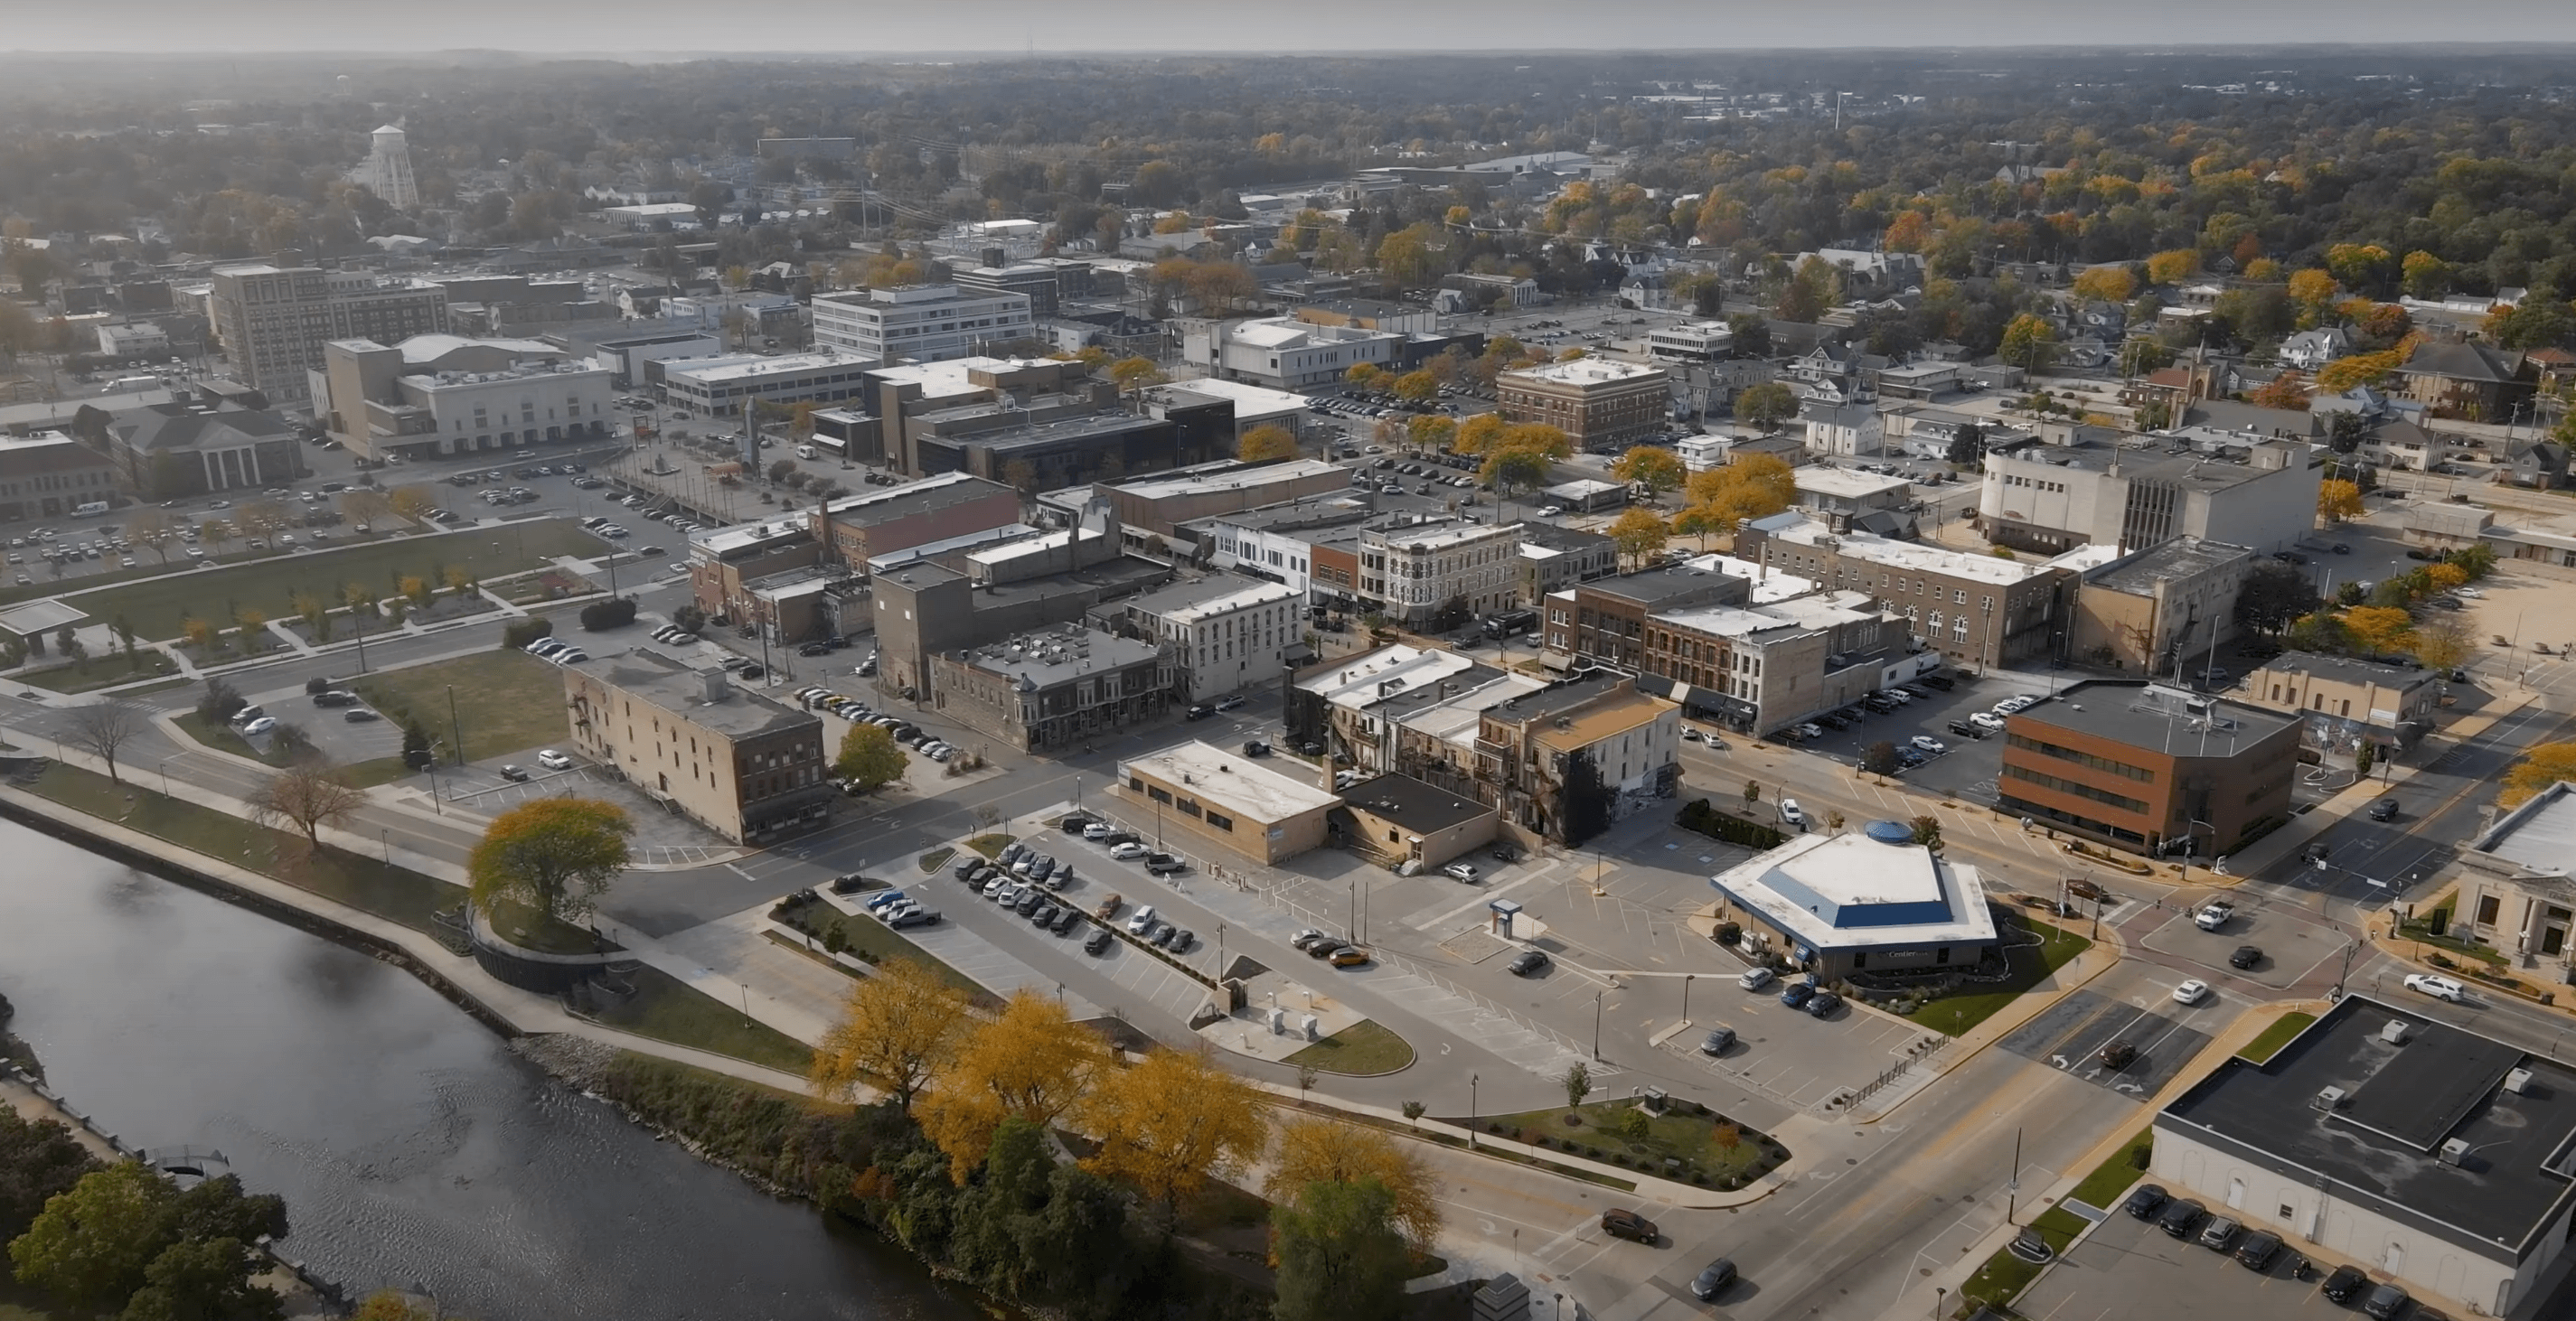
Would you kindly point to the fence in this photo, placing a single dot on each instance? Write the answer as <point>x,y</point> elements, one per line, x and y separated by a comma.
<point>1921,1051</point>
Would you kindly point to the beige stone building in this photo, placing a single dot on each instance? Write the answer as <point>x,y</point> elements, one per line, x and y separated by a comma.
<point>730,759</point>
<point>1208,802</point>
<point>2145,610</point>
<point>2344,701</point>
<point>2515,893</point>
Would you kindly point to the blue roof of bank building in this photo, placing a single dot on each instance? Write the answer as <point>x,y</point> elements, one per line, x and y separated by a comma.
<point>1873,889</point>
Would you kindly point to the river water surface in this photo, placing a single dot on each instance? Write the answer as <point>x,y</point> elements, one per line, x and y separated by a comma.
<point>413,1149</point>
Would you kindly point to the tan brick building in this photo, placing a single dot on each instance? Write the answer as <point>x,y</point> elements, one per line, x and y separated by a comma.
<point>1206,801</point>
<point>726,757</point>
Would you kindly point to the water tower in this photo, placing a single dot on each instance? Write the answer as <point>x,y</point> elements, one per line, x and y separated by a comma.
<point>388,172</point>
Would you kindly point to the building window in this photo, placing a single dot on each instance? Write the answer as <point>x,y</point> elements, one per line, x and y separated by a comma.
<point>1221,822</point>
<point>2486,910</point>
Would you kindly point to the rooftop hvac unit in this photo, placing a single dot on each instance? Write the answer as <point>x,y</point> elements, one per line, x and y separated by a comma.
<point>2329,1099</point>
<point>2454,1152</point>
<point>2395,1032</point>
<point>2518,1082</point>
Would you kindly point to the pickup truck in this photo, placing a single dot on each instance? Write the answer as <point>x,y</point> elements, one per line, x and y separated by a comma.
<point>2213,915</point>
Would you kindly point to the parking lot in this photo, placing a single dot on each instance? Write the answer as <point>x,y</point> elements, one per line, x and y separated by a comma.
<point>1968,769</point>
<point>2071,1034</point>
<point>1788,1054</point>
<point>2128,1270</point>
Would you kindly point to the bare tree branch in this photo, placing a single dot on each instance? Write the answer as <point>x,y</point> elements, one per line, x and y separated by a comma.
<point>307,798</point>
<point>103,728</point>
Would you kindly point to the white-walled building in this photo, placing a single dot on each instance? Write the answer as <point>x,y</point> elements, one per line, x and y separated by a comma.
<point>1283,352</point>
<point>2434,1157</point>
<point>1223,634</point>
<point>1415,569</point>
<point>919,323</point>
<point>727,387</point>
<point>137,339</point>
<point>2051,498</point>
<point>446,394</point>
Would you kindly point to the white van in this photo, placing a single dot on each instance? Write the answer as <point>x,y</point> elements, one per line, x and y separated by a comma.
<point>804,451</point>
<point>94,509</point>
<point>125,384</point>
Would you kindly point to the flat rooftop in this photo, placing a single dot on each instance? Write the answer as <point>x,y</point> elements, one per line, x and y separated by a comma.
<point>1190,602</point>
<point>1868,888</point>
<point>1410,803</point>
<point>1845,483</point>
<point>738,712</point>
<point>1236,479</point>
<point>925,495</point>
<point>1059,655</point>
<point>2154,715</point>
<point>2348,669</point>
<point>1769,585</point>
<point>718,370</point>
<point>2401,1100</point>
<point>1244,786</point>
<point>1796,529</point>
<point>1588,371</point>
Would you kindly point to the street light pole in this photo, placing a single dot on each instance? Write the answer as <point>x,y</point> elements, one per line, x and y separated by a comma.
<point>1596,1024</point>
<point>1687,978</point>
<point>1471,1112</point>
<point>455,725</point>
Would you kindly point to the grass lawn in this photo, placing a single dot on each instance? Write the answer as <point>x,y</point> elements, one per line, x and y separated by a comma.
<point>508,701</point>
<point>990,846</point>
<point>1697,1140</point>
<point>2004,1275</point>
<point>668,1009</point>
<point>2264,1046</point>
<point>872,940</point>
<point>364,883</point>
<point>1954,1014</point>
<point>220,736</point>
<point>935,859</point>
<point>1364,1049</point>
<point>157,604</point>
<point>101,672</point>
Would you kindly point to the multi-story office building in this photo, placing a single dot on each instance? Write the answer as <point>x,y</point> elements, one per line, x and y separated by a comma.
<point>726,757</point>
<point>733,387</point>
<point>2149,768</point>
<point>1594,400</point>
<point>437,394</point>
<point>1764,667</point>
<point>2147,610</point>
<point>1224,633</point>
<point>1605,622</point>
<point>49,474</point>
<point>1284,353</point>
<point>919,323</point>
<point>2051,498</point>
<point>1416,570</point>
<point>273,322</point>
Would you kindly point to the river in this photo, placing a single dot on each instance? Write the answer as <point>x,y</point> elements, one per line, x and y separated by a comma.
<point>412,1147</point>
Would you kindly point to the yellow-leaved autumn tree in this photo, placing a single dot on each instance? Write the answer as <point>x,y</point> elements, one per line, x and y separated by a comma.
<point>1171,1123</point>
<point>2379,628</point>
<point>2338,500</point>
<point>1266,442</point>
<point>1030,1061</point>
<point>1639,535</point>
<point>1313,1151</point>
<point>896,1032</point>
<point>2541,767</point>
<point>1660,469</point>
<point>1478,435</point>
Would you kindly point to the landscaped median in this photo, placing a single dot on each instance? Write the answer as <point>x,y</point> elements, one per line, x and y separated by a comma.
<point>2004,1276</point>
<point>1680,1140</point>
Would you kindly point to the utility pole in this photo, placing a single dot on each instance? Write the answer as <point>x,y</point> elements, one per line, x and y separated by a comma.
<point>2012,1190</point>
<point>455,725</point>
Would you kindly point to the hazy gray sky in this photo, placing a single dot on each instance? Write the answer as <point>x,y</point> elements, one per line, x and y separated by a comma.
<point>687,26</point>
